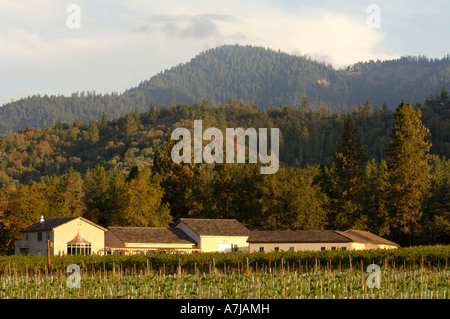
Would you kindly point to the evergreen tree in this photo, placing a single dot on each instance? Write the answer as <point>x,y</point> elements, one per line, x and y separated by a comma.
<point>376,197</point>
<point>304,104</point>
<point>93,132</point>
<point>186,185</point>
<point>103,121</point>
<point>225,181</point>
<point>133,173</point>
<point>290,200</point>
<point>444,94</point>
<point>96,195</point>
<point>128,125</point>
<point>409,170</point>
<point>436,214</point>
<point>116,183</point>
<point>349,160</point>
<point>152,114</point>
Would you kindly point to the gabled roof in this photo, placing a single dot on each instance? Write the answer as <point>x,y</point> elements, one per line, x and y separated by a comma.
<point>357,235</point>
<point>52,223</point>
<point>151,235</point>
<point>215,227</point>
<point>48,224</point>
<point>297,236</point>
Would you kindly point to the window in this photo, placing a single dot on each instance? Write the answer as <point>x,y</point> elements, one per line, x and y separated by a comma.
<point>291,248</point>
<point>235,248</point>
<point>39,236</point>
<point>26,237</point>
<point>78,249</point>
<point>277,248</point>
<point>261,248</point>
<point>322,248</point>
<point>333,248</point>
<point>343,248</point>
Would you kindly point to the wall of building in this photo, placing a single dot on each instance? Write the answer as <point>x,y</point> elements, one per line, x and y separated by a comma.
<point>33,245</point>
<point>112,242</point>
<point>380,246</point>
<point>223,243</point>
<point>211,243</point>
<point>304,246</point>
<point>66,232</point>
<point>149,248</point>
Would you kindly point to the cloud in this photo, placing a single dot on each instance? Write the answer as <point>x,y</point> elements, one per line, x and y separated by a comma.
<point>342,39</point>
<point>199,27</point>
<point>122,43</point>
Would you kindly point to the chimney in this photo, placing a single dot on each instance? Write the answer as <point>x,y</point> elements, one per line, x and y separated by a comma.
<point>41,219</point>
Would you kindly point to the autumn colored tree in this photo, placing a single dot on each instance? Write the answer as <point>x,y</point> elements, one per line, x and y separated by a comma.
<point>21,207</point>
<point>9,225</point>
<point>29,203</point>
<point>409,170</point>
<point>140,203</point>
<point>69,194</point>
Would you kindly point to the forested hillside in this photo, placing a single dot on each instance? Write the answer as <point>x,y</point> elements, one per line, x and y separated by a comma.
<point>271,78</point>
<point>309,135</point>
<point>119,171</point>
<point>244,73</point>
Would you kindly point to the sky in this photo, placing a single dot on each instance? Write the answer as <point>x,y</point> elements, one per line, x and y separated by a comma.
<point>58,47</point>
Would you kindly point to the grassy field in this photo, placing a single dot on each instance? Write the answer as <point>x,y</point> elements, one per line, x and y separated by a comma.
<point>412,273</point>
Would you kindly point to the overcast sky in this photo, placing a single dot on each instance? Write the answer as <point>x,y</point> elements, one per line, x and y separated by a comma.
<point>120,43</point>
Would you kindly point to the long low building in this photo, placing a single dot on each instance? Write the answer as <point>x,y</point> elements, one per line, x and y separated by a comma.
<point>146,240</point>
<point>77,235</point>
<point>295,240</point>
<point>186,235</point>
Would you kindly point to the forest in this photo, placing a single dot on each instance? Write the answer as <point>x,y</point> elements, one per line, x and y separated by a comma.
<point>370,168</point>
<point>244,73</point>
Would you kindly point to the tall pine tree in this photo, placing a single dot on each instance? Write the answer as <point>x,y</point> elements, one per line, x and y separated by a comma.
<point>409,170</point>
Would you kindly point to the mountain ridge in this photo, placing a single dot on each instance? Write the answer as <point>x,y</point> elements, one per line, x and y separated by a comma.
<point>244,73</point>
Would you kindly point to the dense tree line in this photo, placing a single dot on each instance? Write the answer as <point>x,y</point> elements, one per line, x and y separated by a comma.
<point>309,135</point>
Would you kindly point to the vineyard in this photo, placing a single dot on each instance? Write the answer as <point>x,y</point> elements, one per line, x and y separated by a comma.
<point>406,273</point>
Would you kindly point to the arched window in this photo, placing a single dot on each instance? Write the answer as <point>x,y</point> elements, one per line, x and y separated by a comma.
<point>78,249</point>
